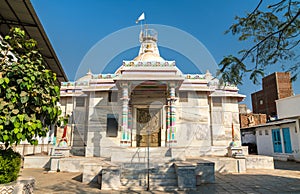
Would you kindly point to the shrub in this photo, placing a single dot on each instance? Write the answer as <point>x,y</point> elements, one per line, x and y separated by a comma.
<point>10,163</point>
<point>29,92</point>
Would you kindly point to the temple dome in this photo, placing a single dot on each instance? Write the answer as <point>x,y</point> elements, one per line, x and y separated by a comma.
<point>149,56</point>
<point>148,50</point>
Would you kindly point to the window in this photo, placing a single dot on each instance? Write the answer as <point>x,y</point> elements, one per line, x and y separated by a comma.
<point>63,101</point>
<point>217,101</point>
<point>112,96</point>
<point>112,125</point>
<point>80,101</point>
<point>260,132</point>
<point>266,132</point>
<point>261,101</point>
<point>183,96</point>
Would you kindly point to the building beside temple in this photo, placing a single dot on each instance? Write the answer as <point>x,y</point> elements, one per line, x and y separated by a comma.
<point>149,101</point>
<point>275,86</point>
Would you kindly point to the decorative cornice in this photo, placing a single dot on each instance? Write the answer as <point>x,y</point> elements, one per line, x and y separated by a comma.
<point>194,76</point>
<point>103,76</point>
<point>149,64</point>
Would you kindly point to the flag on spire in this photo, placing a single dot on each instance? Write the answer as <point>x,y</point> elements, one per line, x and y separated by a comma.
<point>142,17</point>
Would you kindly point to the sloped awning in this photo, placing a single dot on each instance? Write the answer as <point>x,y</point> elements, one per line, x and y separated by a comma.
<point>21,13</point>
<point>227,94</point>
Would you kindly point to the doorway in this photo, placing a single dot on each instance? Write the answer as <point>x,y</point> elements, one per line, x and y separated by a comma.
<point>148,123</point>
<point>287,140</point>
<point>276,141</point>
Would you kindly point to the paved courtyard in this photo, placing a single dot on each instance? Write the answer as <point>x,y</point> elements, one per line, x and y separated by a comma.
<point>284,179</point>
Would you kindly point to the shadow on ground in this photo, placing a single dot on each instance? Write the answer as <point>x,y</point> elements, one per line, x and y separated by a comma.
<point>287,165</point>
<point>252,183</point>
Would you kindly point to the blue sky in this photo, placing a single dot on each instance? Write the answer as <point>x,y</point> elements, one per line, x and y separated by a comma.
<point>74,27</point>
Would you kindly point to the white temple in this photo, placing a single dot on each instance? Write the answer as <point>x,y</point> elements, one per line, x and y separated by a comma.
<point>148,101</point>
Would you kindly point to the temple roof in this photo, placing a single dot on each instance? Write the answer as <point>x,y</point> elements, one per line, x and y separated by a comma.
<point>149,56</point>
<point>148,50</point>
<point>150,66</point>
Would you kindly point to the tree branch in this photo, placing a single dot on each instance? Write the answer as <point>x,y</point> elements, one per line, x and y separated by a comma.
<point>260,2</point>
<point>277,4</point>
<point>297,42</point>
<point>270,35</point>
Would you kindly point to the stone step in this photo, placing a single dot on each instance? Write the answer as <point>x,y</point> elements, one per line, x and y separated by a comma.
<point>152,188</point>
<point>144,165</point>
<point>145,154</point>
<point>157,159</point>
<point>158,155</point>
<point>77,138</point>
<point>133,175</point>
<point>153,182</point>
<point>163,176</point>
<point>163,182</point>
<point>133,188</point>
<point>142,173</point>
<point>163,188</point>
<point>137,173</point>
<point>78,144</point>
<point>134,165</point>
<point>133,182</point>
<point>162,170</point>
<point>145,170</point>
<point>77,151</point>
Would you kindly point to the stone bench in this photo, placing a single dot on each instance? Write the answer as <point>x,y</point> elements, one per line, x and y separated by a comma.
<point>192,174</point>
<point>185,175</point>
<point>110,178</point>
<point>205,172</point>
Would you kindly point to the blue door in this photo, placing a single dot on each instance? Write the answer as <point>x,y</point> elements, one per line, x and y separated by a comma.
<point>276,140</point>
<point>287,140</point>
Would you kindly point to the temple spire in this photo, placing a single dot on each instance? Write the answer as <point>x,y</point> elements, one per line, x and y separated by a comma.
<point>148,39</point>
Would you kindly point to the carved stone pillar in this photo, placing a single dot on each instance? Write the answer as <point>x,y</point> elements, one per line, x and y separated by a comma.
<point>171,117</point>
<point>168,122</point>
<point>125,137</point>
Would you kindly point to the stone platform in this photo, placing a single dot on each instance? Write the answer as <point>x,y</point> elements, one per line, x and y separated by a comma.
<point>252,181</point>
<point>164,175</point>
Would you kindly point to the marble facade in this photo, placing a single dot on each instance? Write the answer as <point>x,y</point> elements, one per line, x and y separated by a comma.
<point>149,101</point>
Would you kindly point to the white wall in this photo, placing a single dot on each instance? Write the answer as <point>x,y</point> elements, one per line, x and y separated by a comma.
<point>284,107</point>
<point>265,142</point>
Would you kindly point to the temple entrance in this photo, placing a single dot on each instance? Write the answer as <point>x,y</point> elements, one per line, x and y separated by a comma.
<point>148,127</point>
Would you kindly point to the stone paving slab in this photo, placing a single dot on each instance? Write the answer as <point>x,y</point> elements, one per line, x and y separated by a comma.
<point>284,179</point>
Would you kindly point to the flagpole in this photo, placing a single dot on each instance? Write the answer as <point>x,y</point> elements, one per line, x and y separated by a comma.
<point>140,19</point>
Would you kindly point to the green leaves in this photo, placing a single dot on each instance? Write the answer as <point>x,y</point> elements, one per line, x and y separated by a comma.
<point>275,36</point>
<point>4,80</point>
<point>28,91</point>
<point>10,164</point>
<point>232,70</point>
<point>5,137</point>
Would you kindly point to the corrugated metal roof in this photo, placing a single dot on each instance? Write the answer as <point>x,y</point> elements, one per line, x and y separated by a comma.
<point>21,13</point>
<point>277,122</point>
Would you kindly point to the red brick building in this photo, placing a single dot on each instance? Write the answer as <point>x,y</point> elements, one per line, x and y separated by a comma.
<point>275,86</point>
